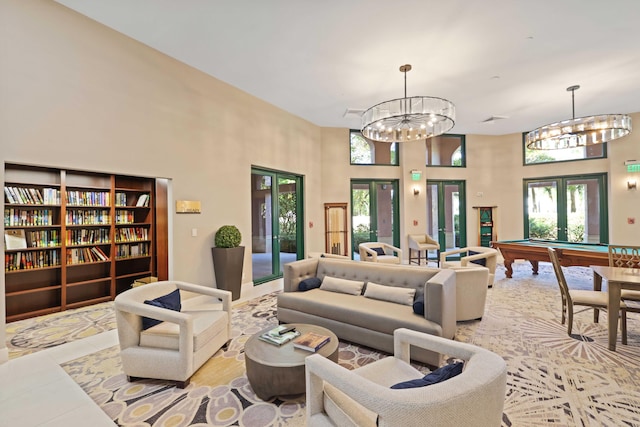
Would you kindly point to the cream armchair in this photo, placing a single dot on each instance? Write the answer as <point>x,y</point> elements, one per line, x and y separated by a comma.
<point>422,243</point>
<point>175,348</point>
<point>363,397</point>
<point>380,252</point>
<point>488,258</point>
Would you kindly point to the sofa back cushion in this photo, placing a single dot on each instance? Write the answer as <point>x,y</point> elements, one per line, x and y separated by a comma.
<point>404,276</point>
<point>393,294</point>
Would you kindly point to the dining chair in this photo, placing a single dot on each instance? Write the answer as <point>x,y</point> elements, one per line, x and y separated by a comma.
<point>595,300</point>
<point>626,257</point>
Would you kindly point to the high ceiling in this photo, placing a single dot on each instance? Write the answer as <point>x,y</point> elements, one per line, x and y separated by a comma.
<point>316,59</point>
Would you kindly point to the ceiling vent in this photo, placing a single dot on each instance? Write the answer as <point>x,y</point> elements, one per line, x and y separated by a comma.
<point>494,118</point>
<point>353,112</point>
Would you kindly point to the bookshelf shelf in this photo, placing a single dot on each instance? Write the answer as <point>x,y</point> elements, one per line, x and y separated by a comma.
<point>78,212</point>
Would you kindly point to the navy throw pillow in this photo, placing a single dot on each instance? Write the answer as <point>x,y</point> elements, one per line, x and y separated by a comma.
<point>310,283</point>
<point>418,305</point>
<point>437,376</point>
<point>379,251</point>
<point>481,261</point>
<point>171,301</point>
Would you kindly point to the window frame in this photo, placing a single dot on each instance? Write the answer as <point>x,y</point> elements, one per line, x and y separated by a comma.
<point>352,131</point>
<point>463,149</point>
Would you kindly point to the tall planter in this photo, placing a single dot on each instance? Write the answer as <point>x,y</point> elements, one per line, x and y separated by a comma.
<point>227,266</point>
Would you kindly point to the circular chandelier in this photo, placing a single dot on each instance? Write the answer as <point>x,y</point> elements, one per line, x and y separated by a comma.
<point>408,119</point>
<point>579,132</point>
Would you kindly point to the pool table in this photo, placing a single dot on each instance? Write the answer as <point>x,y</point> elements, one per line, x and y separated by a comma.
<point>535,250</point>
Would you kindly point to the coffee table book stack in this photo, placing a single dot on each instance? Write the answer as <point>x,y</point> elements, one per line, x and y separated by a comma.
<point>274,336</point>
<point>311,341</point>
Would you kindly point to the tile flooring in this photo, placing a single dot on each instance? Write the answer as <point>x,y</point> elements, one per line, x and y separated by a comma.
<point>36,391</point>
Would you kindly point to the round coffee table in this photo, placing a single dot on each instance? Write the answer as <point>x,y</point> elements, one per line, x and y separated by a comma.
<point>279,370</point>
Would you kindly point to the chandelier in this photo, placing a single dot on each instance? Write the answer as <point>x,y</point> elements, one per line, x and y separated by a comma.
<point>408,119</point>
<point>579,132</point>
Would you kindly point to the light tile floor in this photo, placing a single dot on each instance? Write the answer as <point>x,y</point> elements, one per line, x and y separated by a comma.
<point>36,391</point>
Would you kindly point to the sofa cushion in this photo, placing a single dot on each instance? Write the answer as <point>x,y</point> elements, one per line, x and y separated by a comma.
<point>481,261</point>
<point>170,301</point>
<point>441,374</point>
<point>418,305</point>
<point>206,326</point>
<point>310,283</point>
<point>390,293</point>
<point>335,284</point>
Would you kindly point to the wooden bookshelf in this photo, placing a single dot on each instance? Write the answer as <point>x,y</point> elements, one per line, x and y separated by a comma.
<point>87,237</point>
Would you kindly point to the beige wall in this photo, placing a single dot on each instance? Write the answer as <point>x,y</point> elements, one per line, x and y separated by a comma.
<point>75,94</point>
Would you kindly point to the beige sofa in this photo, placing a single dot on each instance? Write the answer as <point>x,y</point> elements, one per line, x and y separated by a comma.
<point>369,321</point>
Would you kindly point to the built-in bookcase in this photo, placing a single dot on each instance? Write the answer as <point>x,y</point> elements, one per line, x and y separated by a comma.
<point>76,238</point>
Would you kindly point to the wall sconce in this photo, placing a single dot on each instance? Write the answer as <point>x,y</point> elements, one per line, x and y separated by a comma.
<point>631,184</point>
<point>416,190</point>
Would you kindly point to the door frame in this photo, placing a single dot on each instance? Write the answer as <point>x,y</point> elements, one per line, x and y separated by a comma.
<point>462,219</point>
<point>276,267</point>
<point>373,217</point>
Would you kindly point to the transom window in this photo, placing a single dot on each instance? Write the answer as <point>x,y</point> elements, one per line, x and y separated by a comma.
<point>533,157</point>
<point>446,150</point>
<point>367,152</point>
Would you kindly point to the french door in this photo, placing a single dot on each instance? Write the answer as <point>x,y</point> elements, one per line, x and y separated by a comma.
<point>567,208</point>
<point>374,213</point>
<point>446,207</point>
<point>276,222</point>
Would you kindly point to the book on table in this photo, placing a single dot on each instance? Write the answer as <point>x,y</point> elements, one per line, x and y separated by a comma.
<point>311,341</point>
<point>274,336</point>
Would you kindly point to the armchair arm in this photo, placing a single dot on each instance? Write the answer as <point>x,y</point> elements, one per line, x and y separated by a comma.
<point>366,252</point>
<point>444,255</point>
<point>404,338</point>
<point>224,296</point>
<point>430,240</point>
<point>394,249</point>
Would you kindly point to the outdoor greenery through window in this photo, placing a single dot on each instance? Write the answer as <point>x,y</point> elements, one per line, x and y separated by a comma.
<point>572,209</point>
<point>367,152</point>
<point>446,150</point>
<point>532,157</point>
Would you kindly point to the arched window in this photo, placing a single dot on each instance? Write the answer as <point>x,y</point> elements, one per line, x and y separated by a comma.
<point>367,152</point>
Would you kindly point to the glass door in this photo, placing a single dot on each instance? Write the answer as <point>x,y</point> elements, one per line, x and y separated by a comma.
<point>568,209</point>
<point>276,222</point>
<point>374,213</point>
<point>446,207</point>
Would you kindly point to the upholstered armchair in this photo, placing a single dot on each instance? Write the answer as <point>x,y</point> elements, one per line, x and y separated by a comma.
<point>472,256</point>
<point>380,252</point>
<point>363,397</point>
<point>182,341</point>
<point>422,243</point>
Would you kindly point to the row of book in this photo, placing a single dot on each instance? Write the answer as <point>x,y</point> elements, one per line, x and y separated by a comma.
<point>43,238</point>
<point>88,217</point>
<point>88,198</point>
<point>84,255</point>
<point>32,195</point>
<point>131,234</point>
<point>87,236</point>
<point>14,261</point>
<point>125,216</point>
<point>132,250</point>
<point>27,217</point>
<point>121,199</point>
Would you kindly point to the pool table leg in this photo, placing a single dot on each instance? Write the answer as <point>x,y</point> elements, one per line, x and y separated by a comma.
<point>508,265</point>
<point>534,266</point>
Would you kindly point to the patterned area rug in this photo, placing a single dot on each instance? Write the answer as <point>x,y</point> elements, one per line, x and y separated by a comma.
<point>39,333</point>
<point>553,379</point>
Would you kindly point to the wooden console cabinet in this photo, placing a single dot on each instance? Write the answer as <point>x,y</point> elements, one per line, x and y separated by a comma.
<point>76,238</point>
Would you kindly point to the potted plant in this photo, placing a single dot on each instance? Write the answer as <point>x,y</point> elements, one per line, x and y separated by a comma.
<point>228,259</point>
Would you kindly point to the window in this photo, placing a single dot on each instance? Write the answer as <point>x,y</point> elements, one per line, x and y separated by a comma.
<point>532,157</point>
<point>445,150</point>
<point>367,152</point>
<point>567,208</point>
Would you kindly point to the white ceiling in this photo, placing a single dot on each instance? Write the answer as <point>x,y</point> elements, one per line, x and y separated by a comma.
<point>316,59</point>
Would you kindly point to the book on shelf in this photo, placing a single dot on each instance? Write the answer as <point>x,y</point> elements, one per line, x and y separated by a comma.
<point>143,200</point>
<point>274,337</point>
<point>15,239</point>
<point>311,341</point>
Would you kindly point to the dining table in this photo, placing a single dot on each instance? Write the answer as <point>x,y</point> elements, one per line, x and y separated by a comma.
<point>617,278</point>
